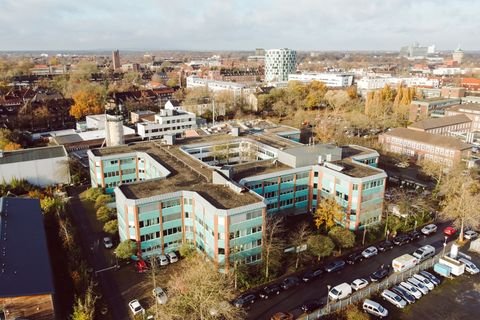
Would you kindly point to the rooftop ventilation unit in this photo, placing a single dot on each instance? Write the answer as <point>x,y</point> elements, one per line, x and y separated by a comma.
<point>334,166</point>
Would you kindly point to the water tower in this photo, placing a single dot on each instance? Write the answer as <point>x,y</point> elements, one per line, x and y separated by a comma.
<point>114,123</point>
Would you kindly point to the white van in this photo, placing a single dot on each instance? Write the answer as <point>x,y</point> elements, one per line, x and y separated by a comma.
<point>424,252</point>
<point>404,262</point>
<point>341,291</point>
<point>374,308</point>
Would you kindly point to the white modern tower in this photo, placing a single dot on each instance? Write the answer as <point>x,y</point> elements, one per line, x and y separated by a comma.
<point>279,63</point>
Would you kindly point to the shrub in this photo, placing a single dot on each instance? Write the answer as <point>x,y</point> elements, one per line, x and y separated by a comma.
<point>111,227</point>
<point>93,193</point>
<point>104,214</point>
<point>102,200</point>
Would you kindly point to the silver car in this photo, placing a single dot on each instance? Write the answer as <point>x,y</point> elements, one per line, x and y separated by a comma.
<point>393,298</point>
<point>160,295</point>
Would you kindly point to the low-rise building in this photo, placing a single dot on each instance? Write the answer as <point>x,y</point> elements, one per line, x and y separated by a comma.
<point>420,145</point>
<point>453,92</point>
<point>43,166</point>
<point>422,109</point>
<point>172,122</point>
<point>26,284</point>
<point>331,80</point>
<point>142,115</point>
<point>445,126</point>
<point>472,111</point>
<point>237,89</point>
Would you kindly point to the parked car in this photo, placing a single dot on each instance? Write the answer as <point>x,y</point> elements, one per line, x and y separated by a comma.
<point>401,239</point>
<point>358,284</point>
<point>370,252</point>
<point>393,298</point>
<point>136,307</point>
<point>380,274</point>
<point>340,291</point>
<point>312,274</point>
<point>385,245</point>
<point>107,242</point>
<point>311,305</point>
<point>449,231</point>
<point>282,316</point>
<point>245,300</point>
<point>470,267</point>
<point>141,266</point>
<point>172,257</point>
<point>290,282</point>
<point>160,295</point>
<point>429,229</point>
<point>426,282</point>
<point>374,308</point>
<point>419,285</point>
<point>404,294</point>
<point>336,265</point>
<point>163,260</point>
<point>430,276</point>
<point>415,235</point>
<point>269,291</point>
<point>425,252</point>
<point>470,234</point>
<point>411,289</point>
<point>354,258</point>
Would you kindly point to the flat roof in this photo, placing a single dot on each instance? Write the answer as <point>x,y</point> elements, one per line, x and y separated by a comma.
<point>32,154</point>
<point>432,123</point>
<point>26,268</point>
<point>467,107</point>
<point>428,138</point>
<point>256,168</point>
<point>187,174</point>
<point>355,170</point>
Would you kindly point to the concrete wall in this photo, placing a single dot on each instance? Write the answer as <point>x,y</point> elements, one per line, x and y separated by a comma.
<point>40,172</point>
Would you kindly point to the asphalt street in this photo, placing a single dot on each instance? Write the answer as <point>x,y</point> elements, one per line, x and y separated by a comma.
<point>91,242</point>
<point>291,300</point>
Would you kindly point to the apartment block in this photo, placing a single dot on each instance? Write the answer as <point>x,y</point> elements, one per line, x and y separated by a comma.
<point>279,63</point>
<point>423,145</point>
<point>331,80</point>
<point>422,109</point>
<point>472,111</point>
<point>445,126</point>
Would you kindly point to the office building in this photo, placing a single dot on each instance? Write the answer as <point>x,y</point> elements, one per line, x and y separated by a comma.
<point>445,126</point>
<point>434,107</point>
<point>331,80</point>
<point>279,63</point>
<point>26,284</point>
<point>472,111</point>
<point>237,89</point>
<point>415,51</point>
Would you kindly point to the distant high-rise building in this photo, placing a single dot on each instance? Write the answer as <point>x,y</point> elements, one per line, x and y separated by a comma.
<point>279,63</point>
<point>116,60</point>
<point>259,52</point>
<point>415,51</point>
<point>457,55</point>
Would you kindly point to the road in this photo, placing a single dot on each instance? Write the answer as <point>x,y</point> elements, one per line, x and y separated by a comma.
<point>292,299</point>
<point>91,242</point>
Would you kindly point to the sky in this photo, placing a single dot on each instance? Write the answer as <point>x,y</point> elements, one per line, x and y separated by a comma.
<point>237,24</point>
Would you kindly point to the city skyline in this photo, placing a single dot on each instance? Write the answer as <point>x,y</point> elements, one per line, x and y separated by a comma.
<point>237,25</point>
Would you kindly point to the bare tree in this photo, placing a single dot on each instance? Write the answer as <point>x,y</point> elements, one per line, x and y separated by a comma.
<point>299,238</point>
<point>273,244</point>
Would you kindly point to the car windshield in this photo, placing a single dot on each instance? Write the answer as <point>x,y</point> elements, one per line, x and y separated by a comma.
<point>380,308</point>
<point>335,292</point>
<point>397,298</point>
<point>138,308</point>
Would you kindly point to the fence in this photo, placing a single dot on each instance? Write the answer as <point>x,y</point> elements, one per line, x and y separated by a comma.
<point>360,295</point>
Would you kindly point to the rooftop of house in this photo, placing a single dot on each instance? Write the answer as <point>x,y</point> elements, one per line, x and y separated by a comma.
<point>352,169</point>
<point>26,268</point>
<point>428,138</point>
<point>467,108</point>
<point>32,154</point>
<point>433,123</point>
<point>436,100</point>
<point>187,174</point>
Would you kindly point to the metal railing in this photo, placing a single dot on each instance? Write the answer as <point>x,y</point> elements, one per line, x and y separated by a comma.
<point>360,295</point>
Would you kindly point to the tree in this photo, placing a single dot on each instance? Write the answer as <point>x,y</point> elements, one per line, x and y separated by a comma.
<point>93,193</point>
<point>42,114</point>
<point>187,250</point>
<point>111,227</point>
<point>319,245</point>
<point>12,146</point>
<point>102,200</point>
<point>461,198</point>
<point>88,100</point>
<point>298,238</point>
<point>343,238</point>
<point>435,170</point>
<point>280,108</point>
<point>273,244</point>
<point>47,204</point>
<point>199,291</point>
<point>104,214</point>
<point>328,213</point>
<point>7,142</point>
<point>126,249</point>
<point>172,82</point>
<point>84,309</point>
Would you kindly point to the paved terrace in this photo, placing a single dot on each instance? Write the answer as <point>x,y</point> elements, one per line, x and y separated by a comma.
<point>187,174</point>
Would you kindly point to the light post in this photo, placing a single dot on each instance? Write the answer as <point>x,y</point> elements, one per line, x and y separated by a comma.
<point>445,245</point>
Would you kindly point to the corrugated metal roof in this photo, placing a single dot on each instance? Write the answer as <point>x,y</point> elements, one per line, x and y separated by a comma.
<point>25,264</point>
<point>32,154</point>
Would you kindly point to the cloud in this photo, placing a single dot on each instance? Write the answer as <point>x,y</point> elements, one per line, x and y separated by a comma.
<point>236,24</point>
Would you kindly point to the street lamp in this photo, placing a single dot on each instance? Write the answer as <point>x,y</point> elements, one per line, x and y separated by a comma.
<point>445,245</point>
<point>328,297</point>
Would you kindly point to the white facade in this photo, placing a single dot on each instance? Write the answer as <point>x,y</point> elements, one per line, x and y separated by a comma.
<point>332,80</point>
<point>279,63</point>
<point>216,86</point>
<point>373,83</point>
<point>39,166</point>
<point>167,122</point>
<point>114,130</point>
<point>448,71</point>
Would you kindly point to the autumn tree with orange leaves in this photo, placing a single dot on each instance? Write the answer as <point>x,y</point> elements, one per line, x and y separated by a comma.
<point>87,101</point>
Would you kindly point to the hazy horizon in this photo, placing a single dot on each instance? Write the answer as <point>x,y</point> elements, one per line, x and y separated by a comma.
<point>236,25</point>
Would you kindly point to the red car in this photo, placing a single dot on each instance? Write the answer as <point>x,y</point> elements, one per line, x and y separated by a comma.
<point>449,231</point>
<point>141,266</point>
